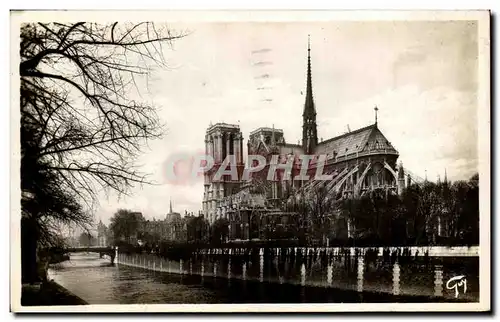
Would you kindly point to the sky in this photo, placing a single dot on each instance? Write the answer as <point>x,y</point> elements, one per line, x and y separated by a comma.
<point>422,75</point>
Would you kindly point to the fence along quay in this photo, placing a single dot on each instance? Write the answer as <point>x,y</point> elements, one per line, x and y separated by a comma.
<point>391,270</point>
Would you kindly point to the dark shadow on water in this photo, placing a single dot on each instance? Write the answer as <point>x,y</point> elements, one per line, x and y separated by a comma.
<point>237,291</point>
<point>107,265</point>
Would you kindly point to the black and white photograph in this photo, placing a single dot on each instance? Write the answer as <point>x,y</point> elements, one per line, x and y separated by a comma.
<point>250,161</point>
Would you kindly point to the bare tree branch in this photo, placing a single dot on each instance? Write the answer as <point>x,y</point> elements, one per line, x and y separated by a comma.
<point>82,129</point>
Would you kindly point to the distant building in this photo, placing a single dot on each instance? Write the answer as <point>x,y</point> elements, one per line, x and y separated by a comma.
<point>135,238</point>
<point>102,234</point>
<point>171,228</point>
<point>174,226</point>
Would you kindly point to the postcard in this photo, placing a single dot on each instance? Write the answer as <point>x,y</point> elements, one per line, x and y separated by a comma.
<point>250,161</point>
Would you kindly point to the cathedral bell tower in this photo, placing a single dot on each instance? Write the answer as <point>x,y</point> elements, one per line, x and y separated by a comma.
<point>309,130</point>
<point>221,141</point>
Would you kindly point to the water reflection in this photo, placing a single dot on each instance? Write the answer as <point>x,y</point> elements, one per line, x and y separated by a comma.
<point>312,276</point>
<point>438,283</point>
<point>361,267</point>
<point>395,278</point>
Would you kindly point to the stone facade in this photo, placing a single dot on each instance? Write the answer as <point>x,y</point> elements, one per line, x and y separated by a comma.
<point>221,140</point>
<point>360,161</point>
<point>170,228</point>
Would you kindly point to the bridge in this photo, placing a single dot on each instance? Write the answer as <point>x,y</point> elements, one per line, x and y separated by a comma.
<point>101,250</point>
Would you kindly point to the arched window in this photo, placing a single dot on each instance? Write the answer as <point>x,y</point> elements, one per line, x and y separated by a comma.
<point>231,144</point>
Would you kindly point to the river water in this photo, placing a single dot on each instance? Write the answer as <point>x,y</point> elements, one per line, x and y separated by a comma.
<point>98,282</point>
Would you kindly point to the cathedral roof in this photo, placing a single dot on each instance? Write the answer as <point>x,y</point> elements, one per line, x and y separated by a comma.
<point>365,139</point>
<point>173,216</point>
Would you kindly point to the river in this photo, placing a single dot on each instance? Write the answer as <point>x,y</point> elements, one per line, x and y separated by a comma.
<point>96,281</point>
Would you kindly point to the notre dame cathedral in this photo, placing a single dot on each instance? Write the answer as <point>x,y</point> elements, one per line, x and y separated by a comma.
<point>360,161</point>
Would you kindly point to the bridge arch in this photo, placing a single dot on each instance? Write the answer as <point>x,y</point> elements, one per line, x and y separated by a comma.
<point>110,251</point>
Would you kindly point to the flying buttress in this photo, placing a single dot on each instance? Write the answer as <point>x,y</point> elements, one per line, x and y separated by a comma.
<point>357,188</point>
<point>339,184</point>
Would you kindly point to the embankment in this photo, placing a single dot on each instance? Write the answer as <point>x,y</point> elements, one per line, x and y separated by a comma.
<point>48,293</point>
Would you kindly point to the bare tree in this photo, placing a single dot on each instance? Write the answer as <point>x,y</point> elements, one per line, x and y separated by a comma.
<point>86,239</point>
<point>422,207</point>
<point>296,203</point>
<point>81,124</point>
<point>126,225</point>
<point>460,209</point>
<point>219,230</point>
<point>76,81</point>
<point>321,206</point>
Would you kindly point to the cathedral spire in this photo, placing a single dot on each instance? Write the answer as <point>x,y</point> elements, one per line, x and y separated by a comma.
<point>309,104</point>
<point>171,206</point>
<point>309,130</point>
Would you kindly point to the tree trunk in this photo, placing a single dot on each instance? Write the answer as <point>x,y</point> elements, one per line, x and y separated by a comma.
<point>29,271</point>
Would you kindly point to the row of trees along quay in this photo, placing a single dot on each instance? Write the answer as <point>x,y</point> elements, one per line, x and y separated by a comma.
<point>441,213</point>
<point>82,126</point>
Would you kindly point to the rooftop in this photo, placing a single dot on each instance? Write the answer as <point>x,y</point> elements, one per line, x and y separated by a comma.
<point>267,129</point>
<point>223,125</point>
<point>368,137</point>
